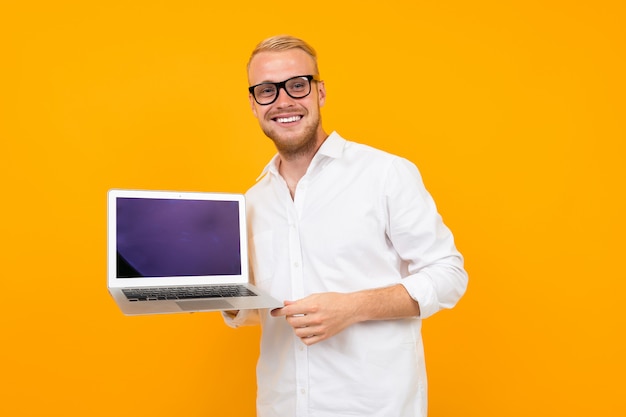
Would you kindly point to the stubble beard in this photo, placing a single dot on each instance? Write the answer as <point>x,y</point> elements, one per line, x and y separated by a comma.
<point>293,148</point>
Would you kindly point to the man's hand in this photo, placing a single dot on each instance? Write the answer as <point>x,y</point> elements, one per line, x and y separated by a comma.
<point>319,316</point>
<point>232,313</point>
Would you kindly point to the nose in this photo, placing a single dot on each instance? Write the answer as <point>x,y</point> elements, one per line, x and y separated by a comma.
<point>283,99</point>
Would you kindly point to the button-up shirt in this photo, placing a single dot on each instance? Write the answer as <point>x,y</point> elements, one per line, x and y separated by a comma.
<point>360,219</point>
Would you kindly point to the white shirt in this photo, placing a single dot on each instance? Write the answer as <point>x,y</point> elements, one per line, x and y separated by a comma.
<point>361,219</point>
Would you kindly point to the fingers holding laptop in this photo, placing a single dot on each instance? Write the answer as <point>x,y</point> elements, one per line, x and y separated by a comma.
<point>318,316</point>
<point>231,313</point>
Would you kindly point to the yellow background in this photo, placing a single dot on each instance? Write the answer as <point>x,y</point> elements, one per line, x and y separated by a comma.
<point>514,112</point>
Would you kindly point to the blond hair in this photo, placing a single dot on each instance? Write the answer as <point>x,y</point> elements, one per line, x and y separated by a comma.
<point>281,43</point>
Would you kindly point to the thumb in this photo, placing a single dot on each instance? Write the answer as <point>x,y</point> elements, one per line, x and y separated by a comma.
<point>279,311</point>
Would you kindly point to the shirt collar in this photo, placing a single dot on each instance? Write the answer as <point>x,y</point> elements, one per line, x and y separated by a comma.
<point>332,148</point>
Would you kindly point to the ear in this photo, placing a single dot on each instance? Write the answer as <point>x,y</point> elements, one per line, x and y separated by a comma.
<point>321,93</point>
<point>253,105</point>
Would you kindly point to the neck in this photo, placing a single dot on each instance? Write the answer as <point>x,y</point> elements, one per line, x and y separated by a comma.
<point>293,166</point>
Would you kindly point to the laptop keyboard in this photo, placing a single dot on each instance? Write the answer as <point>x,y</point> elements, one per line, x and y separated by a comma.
<point>184,293</point>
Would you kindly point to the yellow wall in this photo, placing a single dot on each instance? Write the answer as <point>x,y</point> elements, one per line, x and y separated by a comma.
<point>514,111</point>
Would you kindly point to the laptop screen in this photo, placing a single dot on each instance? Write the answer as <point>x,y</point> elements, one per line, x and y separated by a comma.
<point>158,237</point>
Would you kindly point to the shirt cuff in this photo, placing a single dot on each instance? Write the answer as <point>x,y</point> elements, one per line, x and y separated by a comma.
<point>243,318</point>
<point>423,291</point>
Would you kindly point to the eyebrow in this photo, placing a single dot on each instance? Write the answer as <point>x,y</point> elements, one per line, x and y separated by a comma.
<point>288,78</point>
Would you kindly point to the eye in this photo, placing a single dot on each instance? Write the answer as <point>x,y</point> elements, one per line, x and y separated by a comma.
<point>297,85</point>
<point>265,90</point>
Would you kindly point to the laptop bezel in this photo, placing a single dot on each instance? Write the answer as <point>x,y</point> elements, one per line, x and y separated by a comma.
<point>115,283</point>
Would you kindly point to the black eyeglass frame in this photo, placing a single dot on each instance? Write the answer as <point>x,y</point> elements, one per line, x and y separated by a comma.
<point>283,85</point>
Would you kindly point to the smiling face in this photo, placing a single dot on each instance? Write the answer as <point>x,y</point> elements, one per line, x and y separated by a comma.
<point>293,124</point>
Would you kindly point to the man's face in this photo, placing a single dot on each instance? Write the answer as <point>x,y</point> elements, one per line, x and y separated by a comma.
<point>293,124</point>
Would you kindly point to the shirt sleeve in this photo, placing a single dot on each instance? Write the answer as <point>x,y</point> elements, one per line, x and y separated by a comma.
<point>436,277</point>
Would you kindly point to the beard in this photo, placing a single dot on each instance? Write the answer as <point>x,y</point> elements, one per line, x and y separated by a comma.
<point>293,146</point>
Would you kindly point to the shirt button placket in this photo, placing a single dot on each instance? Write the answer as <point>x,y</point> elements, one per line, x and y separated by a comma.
<point>297,281</point>
<point>302,378</point>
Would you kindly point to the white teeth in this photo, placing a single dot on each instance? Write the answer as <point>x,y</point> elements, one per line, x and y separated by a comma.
<point>288,119</point>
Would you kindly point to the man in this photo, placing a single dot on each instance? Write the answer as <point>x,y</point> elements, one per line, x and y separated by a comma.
<point>348,236</point>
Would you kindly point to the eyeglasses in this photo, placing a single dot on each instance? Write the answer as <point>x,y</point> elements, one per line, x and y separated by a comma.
<point>295,87</point>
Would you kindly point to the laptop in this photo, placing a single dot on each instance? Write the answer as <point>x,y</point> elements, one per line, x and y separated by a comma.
<point>177,252</point>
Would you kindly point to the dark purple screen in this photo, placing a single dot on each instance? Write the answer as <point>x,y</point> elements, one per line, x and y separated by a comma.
<point>159,238</point>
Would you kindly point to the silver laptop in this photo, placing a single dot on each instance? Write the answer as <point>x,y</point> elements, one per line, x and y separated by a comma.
<point>176,252</point>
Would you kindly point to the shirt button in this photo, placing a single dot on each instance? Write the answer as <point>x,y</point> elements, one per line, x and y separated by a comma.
<point>296,265</point>
<point>302,391</point>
